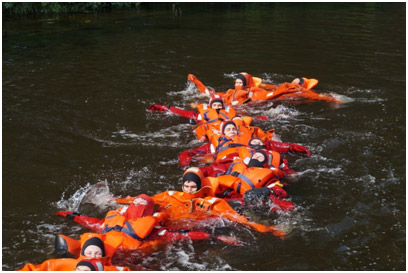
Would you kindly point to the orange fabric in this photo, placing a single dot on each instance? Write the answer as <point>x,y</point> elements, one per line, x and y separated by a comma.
<point>140,226</point>
<point>222,144</point>
<point>74,246</point>
<point>259,177</point>
<point>114,240</point>
<point>65,264</point>
<point>201,87</point>
<point>114,218</point>
<point>211,119</point>
<point>235,96</point>
<point>249,80</point>
<point>210,115</point>
<point>273,158</point>
<point>263,91</point>
<point>201,131</point>
<point>196,171</point>
<point>179,206</point>
<point>53,265</point>
<point>309,83</point>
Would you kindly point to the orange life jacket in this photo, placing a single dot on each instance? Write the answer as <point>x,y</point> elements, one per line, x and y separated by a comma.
<point>273,158</point>
<point>138,228</point>
<point>235,96</point>
<point>211,118</point>
<point>224,146</point>
<point>65,264</point>
<point>241,178</point>
<point>180,206</point>
<point>210,115</point>
<point>263,91</point>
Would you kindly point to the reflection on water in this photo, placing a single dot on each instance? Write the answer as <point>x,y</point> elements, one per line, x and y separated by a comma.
<point>75,94</point>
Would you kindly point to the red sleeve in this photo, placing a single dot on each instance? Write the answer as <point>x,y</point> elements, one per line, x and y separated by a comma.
<point>186,156</point>
<point>92,223</point>
<point>216,168</point>
<point>280,147</point>
<point>183,113</point>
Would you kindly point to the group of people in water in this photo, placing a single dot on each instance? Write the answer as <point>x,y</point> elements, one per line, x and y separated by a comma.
<point>237,162</point>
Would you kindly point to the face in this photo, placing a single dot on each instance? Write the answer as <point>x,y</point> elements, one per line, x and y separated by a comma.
<point>230,130</point>
<point>256,142</point>
<point>216,105</point>
<point>82,268</point>
<point>139,201</point>
<point>190,186</point>
<point>93,251</point>
<point>258,156</point>
<point>297,80</point>
<point>238,82</point>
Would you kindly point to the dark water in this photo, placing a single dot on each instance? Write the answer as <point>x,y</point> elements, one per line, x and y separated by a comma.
<point>75,90</point>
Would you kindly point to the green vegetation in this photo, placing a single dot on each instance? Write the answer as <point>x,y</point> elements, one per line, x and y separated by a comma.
<point>47,8</point>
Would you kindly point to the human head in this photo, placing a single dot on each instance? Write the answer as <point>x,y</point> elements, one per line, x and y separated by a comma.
<point>258,159</point>
<point>240,80</point>
<point>256,143</point>
<point>93,248</point>
<point>229,128</point>
<point>192,179</point>
<point>299,81</point>
<point>246,80</point>
<point>89,265</point>
<point>216,102</point>
<point>142,205</point>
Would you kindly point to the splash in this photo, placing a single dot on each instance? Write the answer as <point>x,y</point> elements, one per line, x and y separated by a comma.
<point>169,136</point>
<point>282,112</point>
<point>98,195</point>
<point>342,98</point>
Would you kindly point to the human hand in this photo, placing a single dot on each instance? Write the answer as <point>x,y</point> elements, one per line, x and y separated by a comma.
<point>299,149</point>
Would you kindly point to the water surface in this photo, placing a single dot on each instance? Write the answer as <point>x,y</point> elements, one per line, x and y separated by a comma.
<point>75,93</point>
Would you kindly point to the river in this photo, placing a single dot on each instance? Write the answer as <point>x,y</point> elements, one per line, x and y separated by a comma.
<point>75,93</point>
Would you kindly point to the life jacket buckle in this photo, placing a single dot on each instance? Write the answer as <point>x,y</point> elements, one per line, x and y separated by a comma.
<point>117,228</point>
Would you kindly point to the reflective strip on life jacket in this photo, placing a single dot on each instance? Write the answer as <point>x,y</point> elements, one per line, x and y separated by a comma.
<point>123,209</point>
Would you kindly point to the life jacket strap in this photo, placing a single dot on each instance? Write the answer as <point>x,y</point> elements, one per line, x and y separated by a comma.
<point>108,228</point>
<point>225,116</point>
<point>128,230</point>
<point>243,177</point>
<point>231,145</point>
